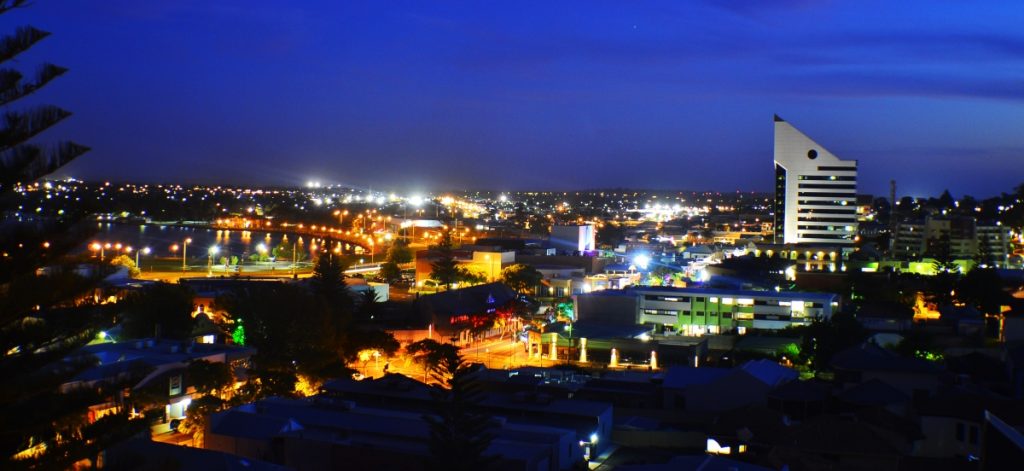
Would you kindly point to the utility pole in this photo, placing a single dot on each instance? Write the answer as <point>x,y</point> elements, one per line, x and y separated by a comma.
<point>892,214</point>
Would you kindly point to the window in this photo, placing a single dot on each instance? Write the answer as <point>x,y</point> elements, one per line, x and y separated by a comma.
<point>712,299</point>
<point>974,435</point>
<point>727,301</point>
<point>699,300</point>
<point>959,432</point>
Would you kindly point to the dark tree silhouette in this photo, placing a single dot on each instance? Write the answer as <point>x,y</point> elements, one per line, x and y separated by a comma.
<point>459,433</point>
<point>445,269</point>
<point>34,411</point>
<point>22,161</point>
<point>159,310</point>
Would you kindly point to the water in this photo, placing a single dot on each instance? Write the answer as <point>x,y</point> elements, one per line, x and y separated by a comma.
<point>167,241</point>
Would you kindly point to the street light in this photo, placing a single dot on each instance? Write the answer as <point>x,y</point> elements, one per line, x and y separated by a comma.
<point>209,264</point>
<point>184,251</point>
<point>144,250</point>
<point>96,246</point>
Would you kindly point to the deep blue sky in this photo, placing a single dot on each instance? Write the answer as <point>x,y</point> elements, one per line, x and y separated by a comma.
<point>536,95</point>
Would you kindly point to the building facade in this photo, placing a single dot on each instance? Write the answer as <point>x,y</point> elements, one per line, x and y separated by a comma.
<point>700,311</point>
<point>815,191</point>
<point>958,237</point>
<point>574,238</point>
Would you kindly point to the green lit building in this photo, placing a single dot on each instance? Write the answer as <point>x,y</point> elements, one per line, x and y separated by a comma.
<point>700,311</point>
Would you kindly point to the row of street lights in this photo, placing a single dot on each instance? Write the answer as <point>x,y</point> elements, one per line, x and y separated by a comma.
<point>117,246</point>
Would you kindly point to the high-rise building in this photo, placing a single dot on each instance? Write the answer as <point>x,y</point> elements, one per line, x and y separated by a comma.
<point>815,191</point>
<point>955,237</point>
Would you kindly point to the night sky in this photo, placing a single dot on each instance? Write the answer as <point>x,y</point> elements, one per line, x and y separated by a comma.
<point>536,95</point>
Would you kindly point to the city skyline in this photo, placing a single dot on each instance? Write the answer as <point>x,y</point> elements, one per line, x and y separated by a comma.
<point>534,97</point>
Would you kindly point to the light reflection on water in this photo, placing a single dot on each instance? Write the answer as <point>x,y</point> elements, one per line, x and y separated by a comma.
<point>160,239</point>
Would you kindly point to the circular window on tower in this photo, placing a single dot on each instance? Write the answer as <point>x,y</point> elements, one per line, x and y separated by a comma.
<point>812,154</point>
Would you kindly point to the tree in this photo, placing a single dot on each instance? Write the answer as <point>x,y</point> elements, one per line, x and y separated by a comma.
<point>368,305</point>
<point>313,344</point>
<point>390,272</point>
<point>434,356</point>
<point>459,433</point>
<point>328,280</point>
<point>982,288</point>
<point>160,309</point>
<point>399,252</point>
<point>127,262</point>
<point>197,417</point>
<point>823,338</point>
<point>379,340</point>
<point>238,335</point>
<point>209,377</point>
<point>445,269</point>
<point>23,161</point>
<point>521,277</point>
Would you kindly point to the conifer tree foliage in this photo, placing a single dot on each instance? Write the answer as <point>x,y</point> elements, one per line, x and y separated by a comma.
<point>23,159</point>
<point>445,269</point>
<point>45,317</point>
<point>459,433</point>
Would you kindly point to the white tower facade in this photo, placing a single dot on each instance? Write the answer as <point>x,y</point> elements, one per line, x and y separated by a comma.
<point>815,191</point>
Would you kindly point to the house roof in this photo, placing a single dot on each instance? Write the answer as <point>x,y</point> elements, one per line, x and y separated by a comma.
<point>871,357</point>
<point>471,300</point>
<point>115,358</point>
<point>801,391</point>
<point>769,372</point>
<point>838,435</point>
<point>782,295</point>
<point>238,423</point>
<point>873,393</point>
<point>696,462</point>
<point>142,453</point>
<point>682,377</point>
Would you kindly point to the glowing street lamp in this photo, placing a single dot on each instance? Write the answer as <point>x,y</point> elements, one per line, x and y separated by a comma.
<point>97,247</point>
<point>184,251</point>
<point>144,250</point>
<point>209,265</point>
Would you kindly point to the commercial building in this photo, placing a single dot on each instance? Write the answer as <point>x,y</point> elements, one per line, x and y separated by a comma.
<point>699,311</point>
<point>574,238</point>
<point>460,315</point>
<point>487,264</point>
<point>962,238</point>
<point>815,191</point>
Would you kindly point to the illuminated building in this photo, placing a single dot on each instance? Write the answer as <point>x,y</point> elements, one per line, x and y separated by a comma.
<point>574,238</point>
<point>962,237</point>
<point>699,311</point>
<point>815,191</point>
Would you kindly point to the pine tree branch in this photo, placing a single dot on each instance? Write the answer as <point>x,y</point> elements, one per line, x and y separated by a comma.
<point>8,5</point>
<point>11,87</point>
<point>19,127</point>
<point>29,162</point>
<point>22,40</point>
